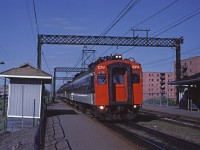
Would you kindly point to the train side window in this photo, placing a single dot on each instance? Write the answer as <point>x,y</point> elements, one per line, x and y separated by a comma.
<point>135,78</point>
<point>101,78</point>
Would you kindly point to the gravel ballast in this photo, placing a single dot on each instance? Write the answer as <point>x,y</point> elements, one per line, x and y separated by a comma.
<point>19,140</point>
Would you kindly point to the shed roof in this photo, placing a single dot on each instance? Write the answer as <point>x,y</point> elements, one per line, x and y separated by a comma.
<point>194,79</point>
<point>26,71</point>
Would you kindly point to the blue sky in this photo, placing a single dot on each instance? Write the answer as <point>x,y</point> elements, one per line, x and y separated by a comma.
<point>18,30</point>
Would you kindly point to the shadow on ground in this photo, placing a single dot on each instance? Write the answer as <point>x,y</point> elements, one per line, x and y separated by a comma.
<point>56,112</point>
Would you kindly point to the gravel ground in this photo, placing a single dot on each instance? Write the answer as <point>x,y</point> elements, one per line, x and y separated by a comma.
<point>20,140</point>
<point>183,132</point>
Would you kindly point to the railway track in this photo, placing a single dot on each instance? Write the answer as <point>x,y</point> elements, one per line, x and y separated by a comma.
<point>179,120</point>
<point>149,138</point>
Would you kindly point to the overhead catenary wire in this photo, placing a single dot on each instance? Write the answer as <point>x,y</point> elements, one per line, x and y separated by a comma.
<point>35,17</point>
<point>152,16</point>
<point>145,20</point>
<point>178,22</point>
<point>38,32</point>
<point>124,12</point>
<point>189,51</point>
<point>172,25</point>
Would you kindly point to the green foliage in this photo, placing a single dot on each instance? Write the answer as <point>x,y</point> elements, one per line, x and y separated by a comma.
<point>172,102</point>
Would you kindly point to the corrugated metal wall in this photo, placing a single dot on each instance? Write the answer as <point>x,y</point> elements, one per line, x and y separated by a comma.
<point>23,93</point>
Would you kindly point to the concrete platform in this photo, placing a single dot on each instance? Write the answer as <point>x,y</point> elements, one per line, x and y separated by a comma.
<point>69,129</point>
<point>173,110</point>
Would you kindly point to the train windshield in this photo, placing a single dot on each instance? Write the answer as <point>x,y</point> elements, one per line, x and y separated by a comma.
<point>118,78</point>
<point>119,75</point>
<point>101,78</point>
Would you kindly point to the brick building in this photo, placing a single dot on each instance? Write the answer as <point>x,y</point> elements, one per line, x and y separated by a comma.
<point>155,84</point>
<point>190,66</point>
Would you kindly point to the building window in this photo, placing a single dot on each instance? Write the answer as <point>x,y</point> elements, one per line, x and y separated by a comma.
<point>190,62</point>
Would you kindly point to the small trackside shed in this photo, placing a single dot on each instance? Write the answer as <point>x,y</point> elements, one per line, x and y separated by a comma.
<point>25,93</point>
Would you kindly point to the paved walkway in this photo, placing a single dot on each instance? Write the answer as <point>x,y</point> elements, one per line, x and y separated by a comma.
<point>69,129</point>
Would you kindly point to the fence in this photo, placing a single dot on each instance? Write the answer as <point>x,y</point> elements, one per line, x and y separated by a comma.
<point>158,99</point>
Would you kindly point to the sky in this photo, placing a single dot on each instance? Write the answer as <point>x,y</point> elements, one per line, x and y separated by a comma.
<point>164,19</point>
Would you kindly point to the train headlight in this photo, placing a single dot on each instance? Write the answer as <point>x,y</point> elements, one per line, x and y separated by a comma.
<point>101,107</point>
<point>134,106</point>
<point>120,56</point>
<point>116,56</point>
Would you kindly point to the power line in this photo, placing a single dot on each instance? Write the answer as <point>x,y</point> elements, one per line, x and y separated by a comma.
<point>46,63</point>
<point>30,18</point>
<point>152,16</point>
<point>174,24</point>
<point>168,58</point>
<point>143,21</point>
<point>35,17</point>
<point>39,33</point>
<point>124,12</point>
<point>178,22</point>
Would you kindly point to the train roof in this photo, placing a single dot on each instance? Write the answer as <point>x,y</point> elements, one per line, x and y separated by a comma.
<point>92,65</point>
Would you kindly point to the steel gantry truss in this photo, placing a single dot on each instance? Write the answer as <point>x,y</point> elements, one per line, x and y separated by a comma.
<point>112,41</point>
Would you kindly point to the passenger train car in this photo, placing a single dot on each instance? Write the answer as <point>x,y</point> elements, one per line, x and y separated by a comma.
<point>110,89</point>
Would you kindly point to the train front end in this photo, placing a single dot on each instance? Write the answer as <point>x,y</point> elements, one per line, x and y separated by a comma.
<point>118,88</point>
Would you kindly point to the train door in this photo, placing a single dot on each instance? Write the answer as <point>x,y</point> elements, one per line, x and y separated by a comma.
<point>120,88</point>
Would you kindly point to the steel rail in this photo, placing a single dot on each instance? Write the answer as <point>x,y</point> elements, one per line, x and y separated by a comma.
<point>148,144</point>
<point>171,140</point>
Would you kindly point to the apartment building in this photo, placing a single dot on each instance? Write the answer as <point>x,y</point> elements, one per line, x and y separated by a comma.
<point>190,66</point>
<point>155,84</point>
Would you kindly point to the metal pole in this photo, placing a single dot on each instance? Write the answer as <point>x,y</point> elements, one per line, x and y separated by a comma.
<point>178,68</point>
<point>39,52</point>
<point>54,85</point>
<point>34,113</point>
<point>4,98</point>
<point>22,107</point>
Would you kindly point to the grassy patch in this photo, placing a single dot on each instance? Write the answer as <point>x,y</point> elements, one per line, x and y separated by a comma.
<point>2,104</point>
<point>2,126</point>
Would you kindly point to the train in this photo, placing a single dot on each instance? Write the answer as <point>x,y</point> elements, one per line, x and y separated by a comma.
<point>111,88</point>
